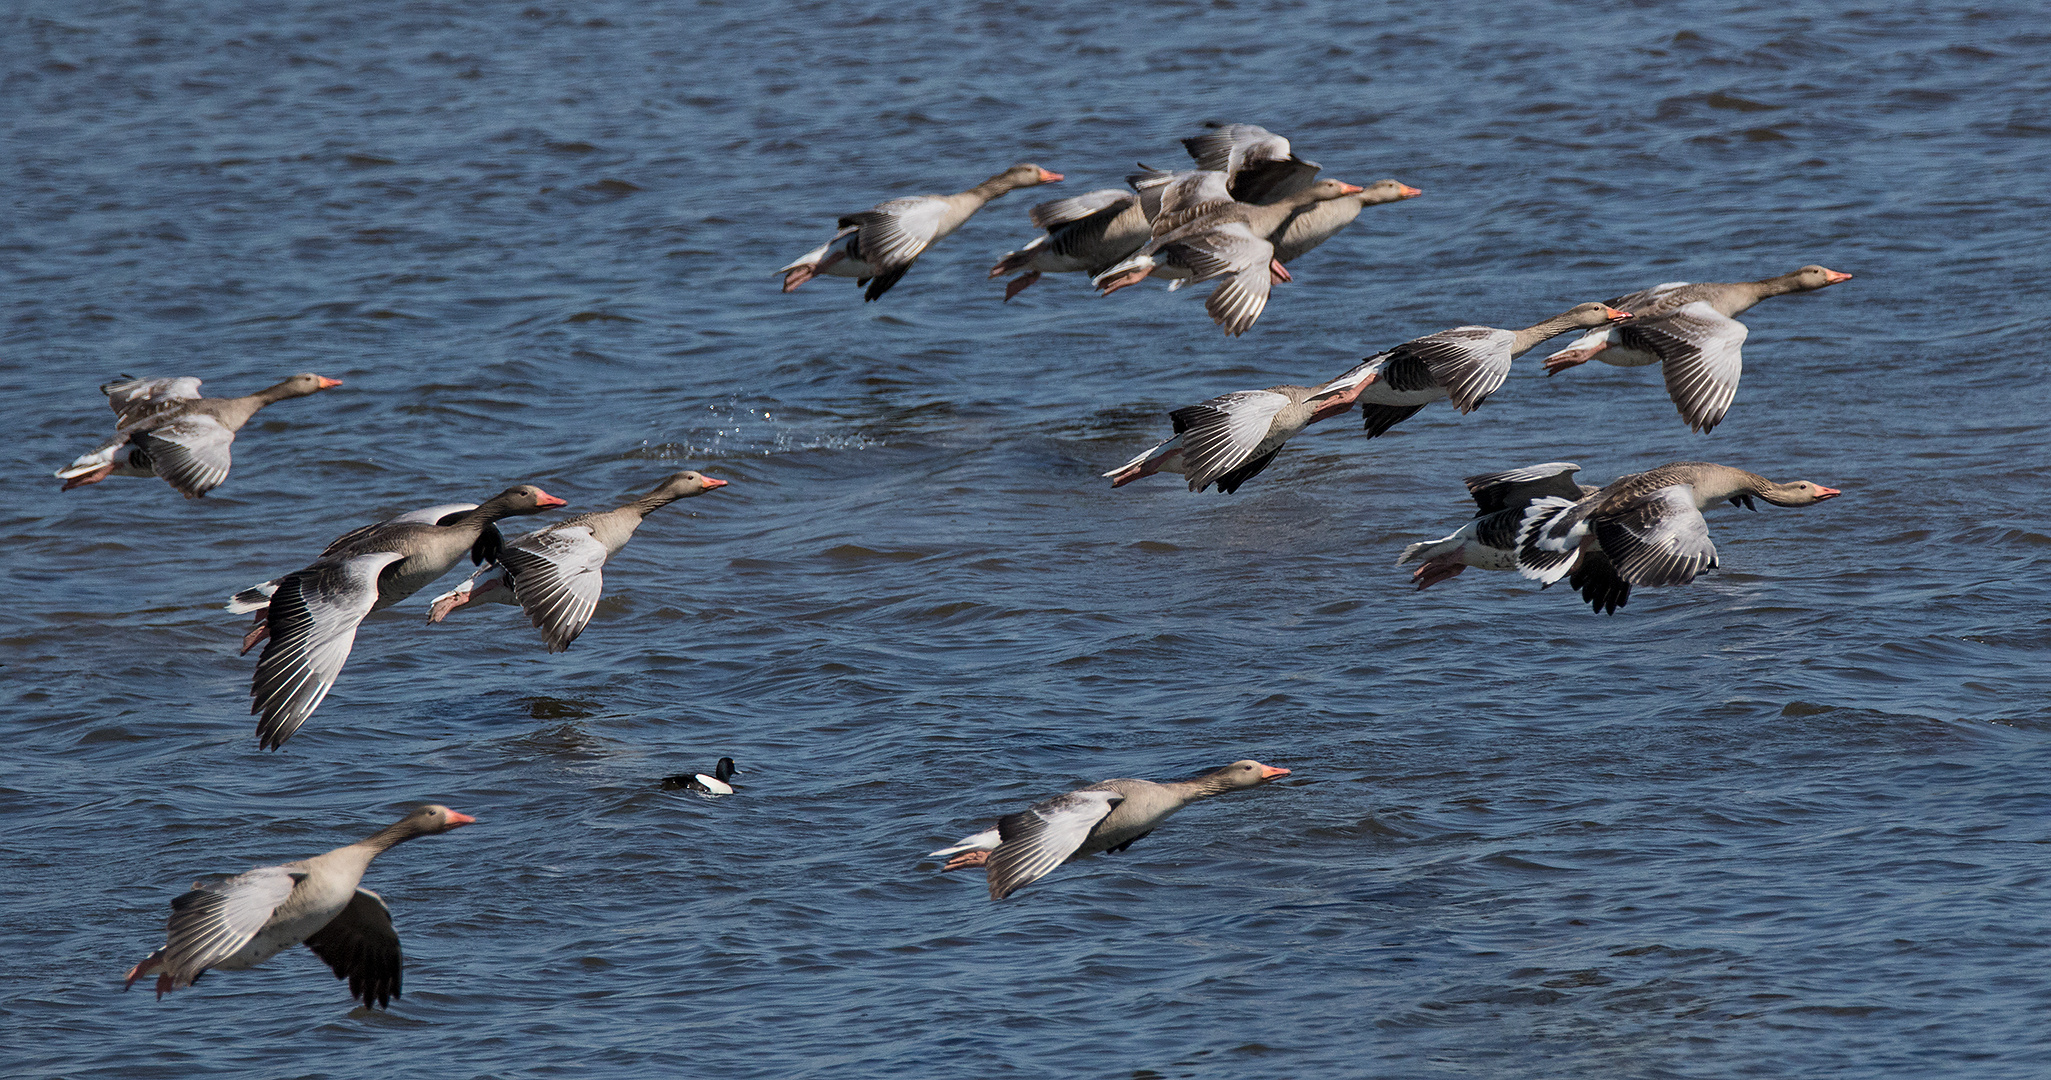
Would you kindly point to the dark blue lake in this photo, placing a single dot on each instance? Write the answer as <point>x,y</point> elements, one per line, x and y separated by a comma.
<point>1788,821</point>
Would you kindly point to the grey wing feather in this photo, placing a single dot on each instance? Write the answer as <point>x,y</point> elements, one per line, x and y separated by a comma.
<point>1044,836</point>
<point>1220,434</point>
<point>1471,362</point>
<point>1236,304</point>
<point>190,453</point>
<point>1050,215</point>
<point>1224,147</point>
<point>137,399</point>
<point>1659,539</point>
<point>1700,350</point>
<point>313,619</point>
<point>360,945</point>
<point>217,918</point>
<point>557,579</point>
<point>1176,199</point>
<point>896,232</point>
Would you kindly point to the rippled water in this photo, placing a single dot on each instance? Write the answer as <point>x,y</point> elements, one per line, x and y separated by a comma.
<point>1788,821</point>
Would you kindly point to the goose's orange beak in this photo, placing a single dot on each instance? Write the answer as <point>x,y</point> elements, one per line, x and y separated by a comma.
<point>461,819</point>
<point>1823,493</point>
<point>1048,177</point>
<point>1269,772</point>
<point>1615,315</point>
<point>545,500</point>
<point>1405,191</point>
<point>715,482</point>
<point>326,383</point>
<point>1833,277</point>
<point>1350,189</point>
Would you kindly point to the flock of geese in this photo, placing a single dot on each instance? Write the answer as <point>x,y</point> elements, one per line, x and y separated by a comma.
<point>1247,208</point>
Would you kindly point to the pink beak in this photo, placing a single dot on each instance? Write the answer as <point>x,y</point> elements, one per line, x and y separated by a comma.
<point>1350,189</point>
<point>1405,191</point>
<point>545,500</point>
<point>1615,315</point>
<point>1833,276</point>
<point>1825,493</point>
<point>714,482</point>
<point>1048,177</point>
<point>325,382</point>
<point>461,819</point>
<point>1269,772</point>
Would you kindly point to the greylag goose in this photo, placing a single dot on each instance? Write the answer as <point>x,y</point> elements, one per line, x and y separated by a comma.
<point>1090,232</point>
<point>235,922</point>
<point>1229,439</point>
<point>1692,332</point>
<point>715,784</point>
<point>876,247</point>
<point>310,616</point>
<point>1258,164</point>
<point>1321,221</point>
<point>162,427</point>
<point>1107,816</point>
<point>555,574</point>
<point>1649,525</point>
<point>1201,234</point>
<point>1489,542</point>
<point>1465,364</point>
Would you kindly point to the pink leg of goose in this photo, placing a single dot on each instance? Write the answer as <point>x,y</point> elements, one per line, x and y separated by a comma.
<point>260,631</point>
<point>1130,277</point>
<point>1572,358</point>
<point>1277,273</point>
<point>1019,284</point>
<point>92,477</point>
<point>967,859</point>
<point>1435,570</point>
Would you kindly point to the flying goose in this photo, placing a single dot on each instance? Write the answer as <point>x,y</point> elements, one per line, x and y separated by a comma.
<point>554,574</point>
<point>1692,332</point>
<point>162,427</point>
<point>1107,816</point>
<point>877,246</point>
<point>310,616</point>
<point>235,922</point>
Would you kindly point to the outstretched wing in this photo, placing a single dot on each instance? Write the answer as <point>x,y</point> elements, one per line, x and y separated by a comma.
<point>1700,355</point>
<point>1236,304</point>
<point>138,399</point>
<point>1172,200</point>
<point>1499,491</point>
<point>1660,539</point>
<point>360,945</point>
<point>897,231</point>
<point>1058,212</point>
<point>313,619</point>
<point>190,453</point>
<point>1043,837</point>
<point>1219,435</point>
<point>1471,362</point>
<point>557,579</point>
<point>1595,578</point>
<point>213,922</point>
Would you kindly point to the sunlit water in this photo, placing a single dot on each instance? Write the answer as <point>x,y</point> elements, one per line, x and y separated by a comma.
<point>1787,821</point>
